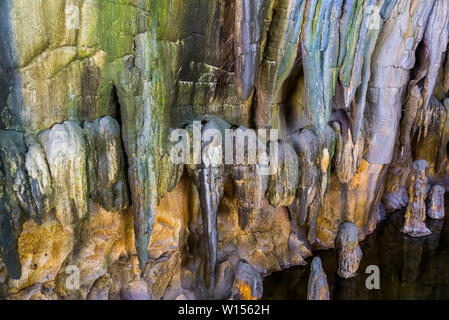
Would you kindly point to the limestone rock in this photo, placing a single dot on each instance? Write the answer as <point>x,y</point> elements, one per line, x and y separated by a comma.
<point>415,216</point>
<point>348,156</point>
<point>65,150</point>
<point>43,250</point>
<point>224,281</point>
<point>320,72</point>
<point>273,243</point>
<point>436,39</point>
<point>39,179</point>
<point>435,208</point>
<point>135,290</point>
<point>102,240</point>
<point>249,28</point>
<point>394,57</point>
<point>315,158</point>
<point>349,253</point>
<point>283,183</point>
<point>318,288</point>
<point>100,289</point>
<point>395,200</point>
<point>249,183</point>
<point>366,78</point>
<point>250,190</point>
<point>170,174</point>
<point>208,177</point>
<point>247,282</point>
<point>279,56</point>
<point>106,164</point>
<point>16,199</point>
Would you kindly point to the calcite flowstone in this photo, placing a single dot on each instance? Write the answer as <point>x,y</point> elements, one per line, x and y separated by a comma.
<point>250,190</point>
<point>279,56</point>
<point>249,183</point>
<point>318,288</point>
<point>385,84</point>
<point>435,208</point>
<point>349,253</point>
<point>314,159</point>
<point>273,243</point>
<point>366,76</point>
<point>65,150</point>
<point>247,282</point>
<point>106,164</point>
<point>102,240</point>
<point>284,182</point>
<point>348,156</point>
<point>249,29</point>
<point>40,179</point>
<point>208,177</point>
<point>415,216</point>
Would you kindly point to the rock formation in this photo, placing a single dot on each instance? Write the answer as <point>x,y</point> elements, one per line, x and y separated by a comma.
<point>318,288</point>
<point>209,179</point>
<point>415,216</point>
<point>349,253</point>
<point>249,183</point>
<point>348,94</point>
<point>247,282</point>
<point>435,208</point>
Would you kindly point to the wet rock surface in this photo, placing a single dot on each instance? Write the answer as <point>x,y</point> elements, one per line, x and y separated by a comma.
<point>16,201</point>
<point>283,182</point>
<point>435,208</point>
<point>410,268</point>
<point>250,184</point>
<point>356,89</point>
<point>415,215</point>
<point>209,179</point>
<point>348,250</point>
<point>318,288</point>
<point>65,150</point>
<point>106,163</point>
<point>247,282</point>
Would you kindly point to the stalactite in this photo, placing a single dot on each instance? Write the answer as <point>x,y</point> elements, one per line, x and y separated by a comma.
<point>209,179</point>
<point>249,184</point>
<point>283,184</point>
<point>249,28</point>
<point>107,182</point>
<point>356,89</point>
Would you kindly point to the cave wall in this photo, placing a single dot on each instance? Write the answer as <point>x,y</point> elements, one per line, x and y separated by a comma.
<point>90,90</point>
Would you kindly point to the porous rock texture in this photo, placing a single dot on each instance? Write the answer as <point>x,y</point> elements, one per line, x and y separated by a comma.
<point>318,289</point>
<point>435,207</point>
<point>90,91</point>
<point>349,253</point>
<point>415,216</point>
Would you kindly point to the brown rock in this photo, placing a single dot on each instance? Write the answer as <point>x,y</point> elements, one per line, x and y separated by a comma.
<point>247,282</point>
<point>415,216</point>
<point>349,253</point>
<point>318,288</point>
<point>249,184</point>
<point>435,208</point>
